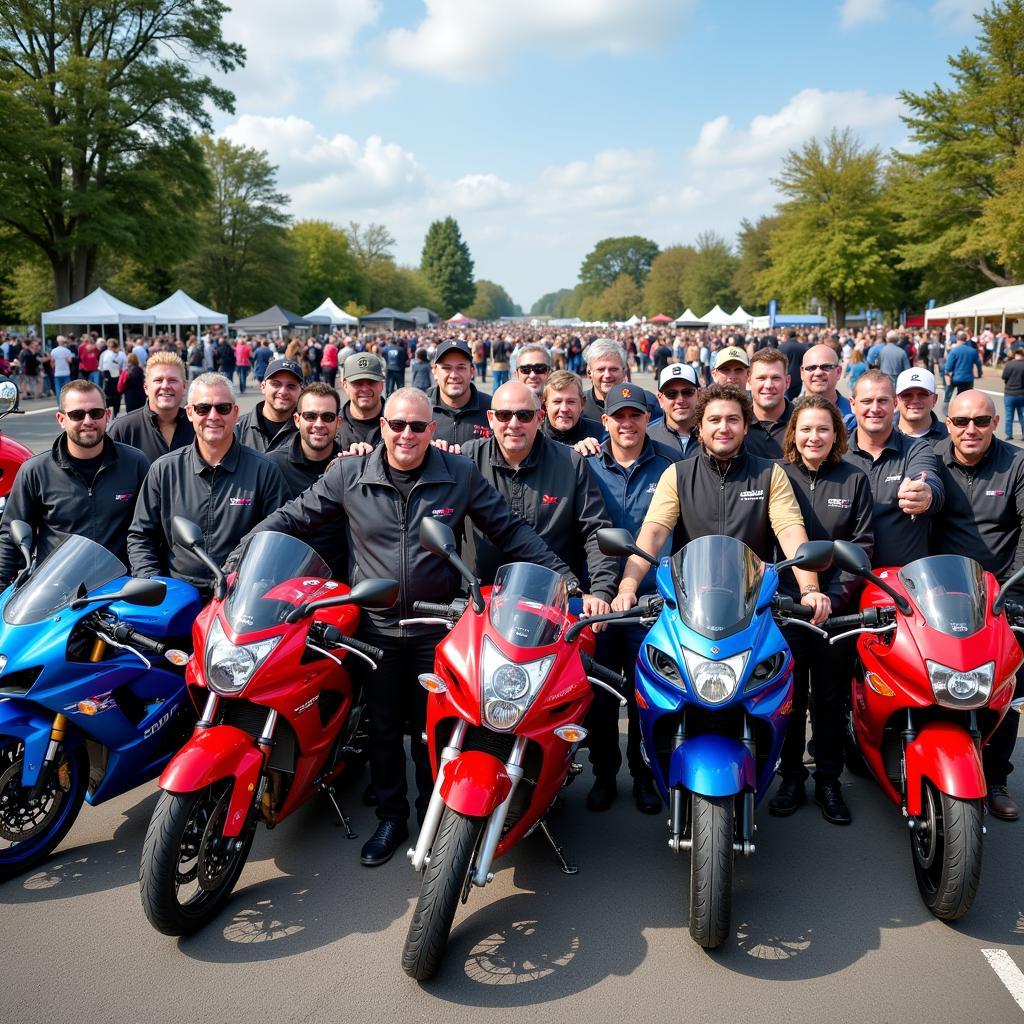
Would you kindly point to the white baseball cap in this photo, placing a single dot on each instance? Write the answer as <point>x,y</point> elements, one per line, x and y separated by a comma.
<point>916,377</point>
<point>678,371</point>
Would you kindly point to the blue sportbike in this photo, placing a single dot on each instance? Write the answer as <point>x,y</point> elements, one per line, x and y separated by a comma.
<point>714,681</point>
<point>92,689</point>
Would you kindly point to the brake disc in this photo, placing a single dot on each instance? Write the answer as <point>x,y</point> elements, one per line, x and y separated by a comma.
<point>22,817</point>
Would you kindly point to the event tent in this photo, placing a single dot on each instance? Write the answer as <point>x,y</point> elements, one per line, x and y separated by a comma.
<point>275,318</point>
<point>388,319</point>
<point>632,321</point>
<point>761,323</point>
<point>99,309</point>
<point>717,317</point>
<point>424,317</point>
<point>180,308</point>
<point>688,319</point>
<point>460,318</point>
<point>660,319</point>
<point>740,317</point>
<point>328,312</point>
<point>995,302</point>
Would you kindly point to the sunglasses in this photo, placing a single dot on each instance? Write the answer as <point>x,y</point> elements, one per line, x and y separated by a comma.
<point>203,408</point>
<point>79,414</point>
<point>819,366</point>
<point>537,368</point>
<point>978,421</point>
<point>416,426</point>
<point>312,417</point>
<point>679,393</point>
<point>523,415</point>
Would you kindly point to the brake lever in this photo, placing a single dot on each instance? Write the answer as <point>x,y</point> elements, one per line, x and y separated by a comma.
<point>611,689</point>
<point>431,621</point>
<point>801,622</point>
<point>369,661</point>
<point>124,647</point>
<point>863,629</point>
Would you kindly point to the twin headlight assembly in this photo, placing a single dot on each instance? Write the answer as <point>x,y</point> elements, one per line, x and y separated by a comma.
<point>954,688</point>
<point>229,667</point>
<point>508,688</point>
<point>714,682</point>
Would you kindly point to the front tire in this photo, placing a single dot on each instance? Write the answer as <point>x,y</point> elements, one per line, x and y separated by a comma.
<point>31,828</point>
<point>946,847</point>
<point>188,868</point>
<point>711,863</point>
<point>444,880</point>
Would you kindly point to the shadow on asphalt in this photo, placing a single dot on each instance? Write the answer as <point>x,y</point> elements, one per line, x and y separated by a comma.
<point>95,867</point>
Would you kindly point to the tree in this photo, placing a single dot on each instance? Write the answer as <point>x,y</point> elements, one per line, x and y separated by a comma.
<point>707,279</point>
<point>663,289</point>
<point>326,264</point>
<point>374,242</point>
<point>632,255</point>
<point>492,302</point>
<point>1001,225</point>
<point>833,240</point>
<point>619,301</point>
<point>754,243</point>
<point>243,253</point>
<point>448,266</point>
<point>551,304</point>
<point>967,137</point>
<point>99,101</point>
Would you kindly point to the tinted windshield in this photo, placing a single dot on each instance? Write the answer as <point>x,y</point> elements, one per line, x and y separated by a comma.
<point>528,604</point>
<point>76,568</point>
<point>949,590</point>
<point>717,581</point>
<point>276,574</point>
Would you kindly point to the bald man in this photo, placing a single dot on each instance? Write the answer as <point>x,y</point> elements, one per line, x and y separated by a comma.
<point>820,370</point>
<point>982,518</point>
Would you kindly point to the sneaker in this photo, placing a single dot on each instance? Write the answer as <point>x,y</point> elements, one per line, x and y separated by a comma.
<point>829,797</point>
<point>788,797</point>
<point>381,846</point>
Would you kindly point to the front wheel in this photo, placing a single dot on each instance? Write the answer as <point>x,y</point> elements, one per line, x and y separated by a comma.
<point>188,867</point>
<point>31,826</point>
<point>946,847</point>
<point>444,880</point>
<point>711,861</point>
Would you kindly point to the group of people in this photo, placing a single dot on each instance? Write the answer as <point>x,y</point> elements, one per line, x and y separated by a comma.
<point>532,472</point>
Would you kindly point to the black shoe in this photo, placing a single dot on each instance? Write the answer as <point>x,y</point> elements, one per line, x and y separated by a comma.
<point>1001,804</point>
<point>829,797</point>
<point>380,847</point>
<point>602,796</point>
<point>369,796</point>
<point>646,797</point>
<point>788,797</point>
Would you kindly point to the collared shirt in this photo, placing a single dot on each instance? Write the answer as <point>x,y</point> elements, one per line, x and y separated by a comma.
<point>457,426</point>
<point>300,472</point>
<point>593,407</point>
<point>937,430</point>
<point>352,431</point>
<point>899,538</point>
<point>688,444</point>
<point>764,437</point>
<point>583,428</point>
<point>251,431</point>
<point>141,429</point>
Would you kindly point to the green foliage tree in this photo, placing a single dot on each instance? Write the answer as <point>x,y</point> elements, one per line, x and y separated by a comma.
<point>327,267</point>
<point>754,243</point>
<point>619,301</point>
<point>708,277</point>
<point>491,302</point>
<point>663,289</point>
<point>448,265</point>
<point>552,303</point>
<point>967,138</point>
<point>834,239</point>
<point>632,255</point>
<point>243,254</point>
<point>99,103</point>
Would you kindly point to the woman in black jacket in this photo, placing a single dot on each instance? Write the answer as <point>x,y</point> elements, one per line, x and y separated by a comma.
<point>836,503</point>
<point>134,384</point>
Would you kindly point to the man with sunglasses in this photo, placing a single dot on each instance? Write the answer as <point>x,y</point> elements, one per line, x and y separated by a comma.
<point>85,484</point>
<point>533,367</point>
<point>306,459</point>
<point>270,424</point>
<point>547,485</point>
<point>982,519</point>
<point>820,371</point>
<point>222,485</point>
<point>363,383</point>
<point>678,388</point>
<point>459,409</point>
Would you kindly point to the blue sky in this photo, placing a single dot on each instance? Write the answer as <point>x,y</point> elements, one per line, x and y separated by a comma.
<point>543,126</point>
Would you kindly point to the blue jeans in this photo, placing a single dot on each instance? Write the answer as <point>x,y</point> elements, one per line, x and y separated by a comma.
<point>243,373</point>
<point>1013,408</point>
<point>58,383</point>
<point>94,376</point>
<point>498,377</point>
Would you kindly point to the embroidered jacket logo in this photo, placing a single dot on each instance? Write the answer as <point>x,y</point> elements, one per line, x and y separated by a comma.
<point>240,501</point>
<point>127,496</point>
<point>442,512</point>
<point>549,499</point>
<point>839,503</point>
<point>751,495</point>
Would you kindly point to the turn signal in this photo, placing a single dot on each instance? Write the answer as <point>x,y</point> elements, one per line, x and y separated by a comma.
<point>571,733</point>
<point>878,684</point>
<point>88,707</point>
<point>433,683</point>
<point>176,657</point>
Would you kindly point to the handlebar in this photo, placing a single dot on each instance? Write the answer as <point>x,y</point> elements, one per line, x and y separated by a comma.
<point>125,634</point>
<point>453,610</point>
<point>333,635</point>
<point>606,675</point>
<point>869,618</point>
<point>792,610</point>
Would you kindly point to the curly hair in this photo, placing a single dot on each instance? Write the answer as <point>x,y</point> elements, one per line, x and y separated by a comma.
<point>723,393</point>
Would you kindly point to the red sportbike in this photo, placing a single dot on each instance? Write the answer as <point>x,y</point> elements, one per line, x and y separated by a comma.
<point>280,720</point>
<point>935,676</point>
<point>12,454</point>
<point>508,696</point>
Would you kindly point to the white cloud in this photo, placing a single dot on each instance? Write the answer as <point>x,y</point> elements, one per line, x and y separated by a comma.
<point>465,39</point>
<point>483,192</point>
<point>862,12</point>
<point>958,14</point>
<point>349,89</point>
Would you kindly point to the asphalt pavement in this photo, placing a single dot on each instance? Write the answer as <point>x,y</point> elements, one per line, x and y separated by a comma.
<point>827,924</point>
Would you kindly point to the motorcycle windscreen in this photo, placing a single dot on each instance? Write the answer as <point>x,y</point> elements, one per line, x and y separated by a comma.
<point>275,575</point>
<point>949,590</point>
<point>528,604</point>
<point>74,569</point>
<point>717,582</point>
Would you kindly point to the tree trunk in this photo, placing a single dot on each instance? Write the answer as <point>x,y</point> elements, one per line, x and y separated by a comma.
<point>994,276</point>
<point>72,275</point>
<point>838,312</point>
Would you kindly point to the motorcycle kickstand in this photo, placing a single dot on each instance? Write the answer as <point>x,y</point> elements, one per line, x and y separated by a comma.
<point>567,868</point>
<point>342,820</point>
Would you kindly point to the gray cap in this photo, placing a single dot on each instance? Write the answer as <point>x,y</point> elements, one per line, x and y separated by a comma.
<point>362,366</point>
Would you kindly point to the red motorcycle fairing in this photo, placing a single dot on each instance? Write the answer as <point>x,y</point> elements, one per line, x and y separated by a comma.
<point>946,755</point>
<point>475,783</point>
<point>214,753</point>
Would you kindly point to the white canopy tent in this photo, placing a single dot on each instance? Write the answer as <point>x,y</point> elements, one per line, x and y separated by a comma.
<point>97,309</point>
<point>717,317</point>
<point>328,312</point>
<point>180,308</point>
<point>994,302</point>
<point>740,317</point>
<point>688,319</point>
<point>633,321</point>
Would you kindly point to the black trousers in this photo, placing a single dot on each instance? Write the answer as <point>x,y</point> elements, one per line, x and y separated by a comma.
<point>394,697</point>
<point>617,649</point>
<point>996,757</point>
<point>821,678</point>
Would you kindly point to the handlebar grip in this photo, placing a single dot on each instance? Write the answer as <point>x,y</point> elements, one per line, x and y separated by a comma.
<point>844,621</point>
<point>126,634</point>
<point>614,679</point>
<point>788,607</point>
<point>432,608</point>
<point>368,649</point>
<point>1014,609</point>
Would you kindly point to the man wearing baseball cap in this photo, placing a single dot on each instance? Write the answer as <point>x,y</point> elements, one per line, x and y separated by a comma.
<point>731,366</point>
<point>271,423</point>
<point>678,387</point>
<point>363,383</point>
<point>460,410</point>
<point>916,396</point>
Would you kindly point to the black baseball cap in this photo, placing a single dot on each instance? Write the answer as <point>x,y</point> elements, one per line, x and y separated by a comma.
<point>284,366</point>
<point>624,396</point>
<point>453,345</point>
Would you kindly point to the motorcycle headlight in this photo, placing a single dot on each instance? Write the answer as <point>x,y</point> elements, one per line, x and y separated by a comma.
<point>665,666</point>
<point>953,688</point>
<point>714,681</point>
<point>230,666</point>
<point>508,687</point>
<point>767,668</point>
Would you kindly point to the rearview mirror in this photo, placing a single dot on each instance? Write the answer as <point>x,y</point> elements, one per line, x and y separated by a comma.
<point>21,534</point>
<point>379,594</point>
<point>851,558</point>
<point>186,533</point>
<point>8,396</point>
<point>436,537</point>
<point>614,540</point>
<point>813,555</point>
<point>146,593</point>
